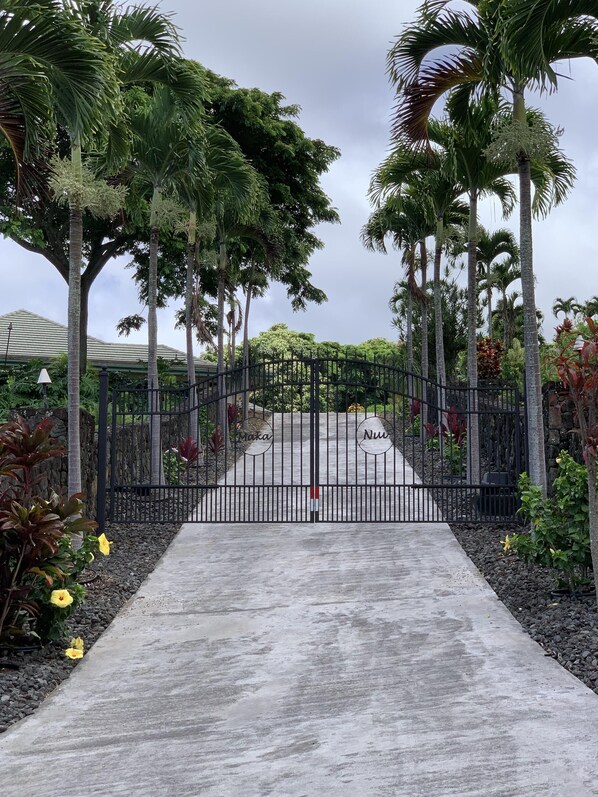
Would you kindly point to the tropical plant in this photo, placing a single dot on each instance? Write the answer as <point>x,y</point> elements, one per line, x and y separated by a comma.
<point>490,246</point>
<point>50,66</point>
<point>502,275</point>
<point>73,182</point>
<point>486,52</point>
<point>577,368</point>
<point>559,526</point>
<point>439,193</point>
<point>403,219</point>
<point>567,307</point>
<point>39,566</point>
<point>469,135</point>
<point>167,153</point>
<point>490,353</point>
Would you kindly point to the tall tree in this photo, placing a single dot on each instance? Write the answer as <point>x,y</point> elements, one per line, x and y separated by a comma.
<point>480,47</point>
<point>141,47</point>
<point>166,153</point>
<point>439,192</point>
<point>48,64</point>
<point>470,131</point>
<point>404,223</point>
<point>567,307</point>
<point>290,163</point>
<point>490,246</point>
<point>501,276</point>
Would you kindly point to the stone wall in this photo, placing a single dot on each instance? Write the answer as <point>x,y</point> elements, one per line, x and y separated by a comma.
<point>132,452</point>
<point>53,474</point>
<point>132,448</point>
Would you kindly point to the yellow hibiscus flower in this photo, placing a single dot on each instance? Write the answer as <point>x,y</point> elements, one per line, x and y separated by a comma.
<point>104,544</point>
<point>61,597</point>
<point>77,643</point>
<point>73,653</point>
<point>506,543</point>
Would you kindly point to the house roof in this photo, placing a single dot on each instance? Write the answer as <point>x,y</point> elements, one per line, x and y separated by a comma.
<point>33,337</point>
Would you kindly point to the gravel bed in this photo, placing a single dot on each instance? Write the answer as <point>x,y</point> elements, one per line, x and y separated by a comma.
<point>566,627</point>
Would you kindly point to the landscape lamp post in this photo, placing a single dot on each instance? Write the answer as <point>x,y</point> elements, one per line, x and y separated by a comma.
<point>44,380</point>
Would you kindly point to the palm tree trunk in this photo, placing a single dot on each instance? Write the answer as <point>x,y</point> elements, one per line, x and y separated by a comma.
<point>409,330</point>
<point>438,325</point>
<point>191,377</point>
<point>83,323</point>
<point>533,381</point>
<point>222,412</point>
<point>74,309</point>
<point>424,316</point>
<point>156,468</point>
<point>473,439</point>
<point>233,331</point>
<point>489,299</point>
<point>246,353</point>
<point>438,321</point>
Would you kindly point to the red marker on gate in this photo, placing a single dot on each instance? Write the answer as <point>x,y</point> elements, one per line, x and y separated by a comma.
<point>314,499</point>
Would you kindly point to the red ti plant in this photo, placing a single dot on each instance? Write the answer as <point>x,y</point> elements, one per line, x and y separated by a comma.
<point>456,425</point>
<point>216,441</point>
<point>577,366</point>
<point>189,451</point>
<point>415,409</point>
<point>232,412</point>
<point>32,530</point>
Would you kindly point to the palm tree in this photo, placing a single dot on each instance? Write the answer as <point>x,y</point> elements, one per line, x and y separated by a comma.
<point>49,65</point>
<point>440,193</point>
<point>567,307</point>
<point>491,246</point>
<point>502,275</point>
<point>167,156</point>
<point>470,131</point>
<point>590,308</point>
<point>136,43</point>
<point>403,220</point>
<point>484,47</point>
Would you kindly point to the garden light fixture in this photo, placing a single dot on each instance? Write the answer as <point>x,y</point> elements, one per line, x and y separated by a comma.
<point>44,380</point>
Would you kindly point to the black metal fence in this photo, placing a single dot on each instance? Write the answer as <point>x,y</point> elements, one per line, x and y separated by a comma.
<point>318,439</point>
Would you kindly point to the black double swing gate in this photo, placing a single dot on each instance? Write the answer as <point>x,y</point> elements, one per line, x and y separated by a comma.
<point>307,440</point>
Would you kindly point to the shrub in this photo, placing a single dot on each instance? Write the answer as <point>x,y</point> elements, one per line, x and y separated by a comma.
<point>355,407</point>
<point>490,354</point>
<point>174,466</point>
<point>39,567</point>
<point>560,535</point>
<point>513,363</point>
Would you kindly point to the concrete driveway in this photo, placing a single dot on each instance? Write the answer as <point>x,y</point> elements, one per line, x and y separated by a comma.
<point>311,660</point>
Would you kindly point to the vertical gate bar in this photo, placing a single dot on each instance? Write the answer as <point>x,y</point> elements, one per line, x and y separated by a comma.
<point>102,451</point>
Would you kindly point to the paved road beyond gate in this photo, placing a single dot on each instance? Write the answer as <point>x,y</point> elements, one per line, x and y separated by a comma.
<point>307,440</point>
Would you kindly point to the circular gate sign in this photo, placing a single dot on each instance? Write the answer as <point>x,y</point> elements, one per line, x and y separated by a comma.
<point>255,435</point>
<point>374,435</point>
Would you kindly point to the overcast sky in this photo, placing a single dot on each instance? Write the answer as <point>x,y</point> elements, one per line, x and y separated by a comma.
<point>329,58</point>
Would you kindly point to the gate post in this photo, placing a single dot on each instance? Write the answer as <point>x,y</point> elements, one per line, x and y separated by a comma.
<point>102,451</point>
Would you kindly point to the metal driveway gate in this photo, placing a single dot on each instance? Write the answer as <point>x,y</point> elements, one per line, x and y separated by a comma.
<point>307,440</point>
